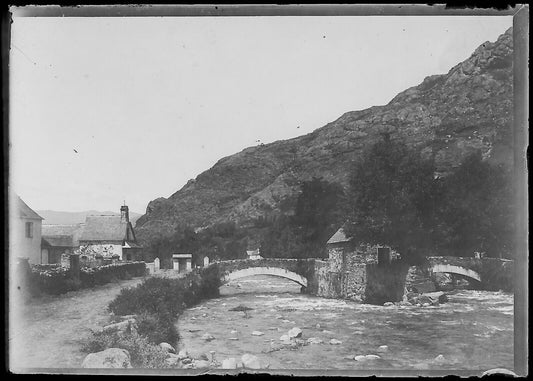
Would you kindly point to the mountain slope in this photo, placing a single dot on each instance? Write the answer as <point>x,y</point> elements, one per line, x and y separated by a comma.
<point>447,116</point>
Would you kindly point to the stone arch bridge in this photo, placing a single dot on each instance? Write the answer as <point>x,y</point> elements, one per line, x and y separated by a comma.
<point>489,273</point>
<point>301,271</point>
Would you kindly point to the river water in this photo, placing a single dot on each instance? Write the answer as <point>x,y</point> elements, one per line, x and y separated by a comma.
<point>473,331</point>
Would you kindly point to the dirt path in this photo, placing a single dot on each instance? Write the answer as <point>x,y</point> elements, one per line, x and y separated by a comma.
<point>47,333</point>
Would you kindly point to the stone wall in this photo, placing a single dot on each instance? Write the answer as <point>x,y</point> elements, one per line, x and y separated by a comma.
<point>385,283</point>
<point>361,282</point>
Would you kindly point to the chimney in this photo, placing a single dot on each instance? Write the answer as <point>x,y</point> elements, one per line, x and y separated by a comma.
<point>124,214</point>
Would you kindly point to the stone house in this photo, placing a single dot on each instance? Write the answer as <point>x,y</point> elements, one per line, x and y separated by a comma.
<point>110,237</point>
<point>342,253</point>
<point>25,232</point>
<point>352,270</point>
<point>60,239</point>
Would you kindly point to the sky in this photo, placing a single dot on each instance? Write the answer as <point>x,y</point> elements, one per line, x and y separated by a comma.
<point>106,110</point>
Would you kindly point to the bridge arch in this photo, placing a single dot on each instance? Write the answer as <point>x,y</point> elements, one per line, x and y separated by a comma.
<point>274,271</point>
<point>453,269</point>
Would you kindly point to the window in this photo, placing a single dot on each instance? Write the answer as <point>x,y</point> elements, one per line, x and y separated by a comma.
<point>29,229</point>
<point>384,257</point>
<point>128,257</point>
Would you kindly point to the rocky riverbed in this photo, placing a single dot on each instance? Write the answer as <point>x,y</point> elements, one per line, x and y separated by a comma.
<point>265,322</point>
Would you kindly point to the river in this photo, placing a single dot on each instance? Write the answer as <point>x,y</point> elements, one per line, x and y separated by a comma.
<point>473,331</point>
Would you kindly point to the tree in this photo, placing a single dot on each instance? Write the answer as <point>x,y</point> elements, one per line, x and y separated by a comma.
<point>318,209</point>
<point>476,210</point>
<point>316,215</point>
<point>392,199</point>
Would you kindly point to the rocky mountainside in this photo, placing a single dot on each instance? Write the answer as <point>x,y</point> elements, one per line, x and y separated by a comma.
<point>449,116</point>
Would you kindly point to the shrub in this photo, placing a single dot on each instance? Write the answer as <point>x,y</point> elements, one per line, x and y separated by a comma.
<point>157,328</point>
<point>159,301</point>
<point>143,354</point>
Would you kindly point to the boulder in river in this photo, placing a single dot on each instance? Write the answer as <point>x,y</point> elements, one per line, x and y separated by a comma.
<point>251,362</point>
<point>372,357</point>
<point>439,359</point>
<point>437,297</point>
<point>383,348</point>
<point>360,358</point>
<point>167,347</point>
<point>335,342</point>
<point>257,333</point>
<point>172,360</point>
<point>388,304</point>
<point>201,364</point>
<point>285,338</point>
<point>183,354</point>
<point>295,332</point>
<point>230,363</point>
<point>109,358</point>
<point>314,340</point>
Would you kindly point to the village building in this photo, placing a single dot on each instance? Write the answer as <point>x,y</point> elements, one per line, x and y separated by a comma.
<point>25,232</point>
<point>58,240</point>
<point>110,237</point>
<point>253,254</point>
<point>182,262</point>
<point>343,253</point>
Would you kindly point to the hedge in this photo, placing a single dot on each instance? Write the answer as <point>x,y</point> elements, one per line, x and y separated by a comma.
<point>159,301</point>
<point>58,280</point>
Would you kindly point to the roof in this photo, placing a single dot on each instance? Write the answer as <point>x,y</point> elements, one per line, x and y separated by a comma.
<point>104,228</point>
<point>25,211</point>
<point>62,235</point>
<point>181,255</point>
<point>339,237</point>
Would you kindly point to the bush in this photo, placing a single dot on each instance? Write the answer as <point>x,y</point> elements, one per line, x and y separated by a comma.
<point>159,301</point>
<point>143,354</point>
<point>157,329</point>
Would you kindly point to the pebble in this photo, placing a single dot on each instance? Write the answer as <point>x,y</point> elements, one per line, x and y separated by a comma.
<point>207,337</point>
<point>383,348</point>
<point>233,338</point>
<point>314,340</point>
<point>295,332</point>
<point>257,333</point>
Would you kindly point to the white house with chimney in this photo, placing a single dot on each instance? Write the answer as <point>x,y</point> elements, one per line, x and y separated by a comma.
<point>111,237</point>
